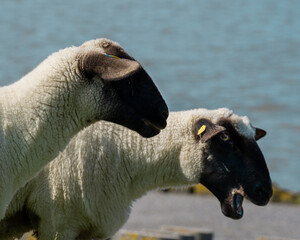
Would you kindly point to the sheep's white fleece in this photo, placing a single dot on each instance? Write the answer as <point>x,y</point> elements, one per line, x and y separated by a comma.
<point>89,188</point>
<point>40,113</point>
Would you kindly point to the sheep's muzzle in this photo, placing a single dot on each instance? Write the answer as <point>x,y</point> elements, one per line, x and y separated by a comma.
<point>232,206</point>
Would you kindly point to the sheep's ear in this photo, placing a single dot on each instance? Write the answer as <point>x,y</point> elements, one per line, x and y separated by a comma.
<point>107,67</point>
<point>259,133</point>
<point>204,129</point>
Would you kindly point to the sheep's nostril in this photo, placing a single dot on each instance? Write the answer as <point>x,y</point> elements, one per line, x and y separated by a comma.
<point>263,194</point>
<point>165,114</point>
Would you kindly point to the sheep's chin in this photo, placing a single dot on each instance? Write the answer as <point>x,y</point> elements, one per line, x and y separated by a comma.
<point>232,205</point>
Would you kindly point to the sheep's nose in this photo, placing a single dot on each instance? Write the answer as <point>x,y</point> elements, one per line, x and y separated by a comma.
<point>264,193</point>
<point>160,120</point>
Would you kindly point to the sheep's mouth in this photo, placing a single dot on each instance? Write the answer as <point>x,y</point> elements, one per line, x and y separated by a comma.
<point>136,122</point>
<point>157,126</point>
<point>153,128</point>
<point>232,206</point>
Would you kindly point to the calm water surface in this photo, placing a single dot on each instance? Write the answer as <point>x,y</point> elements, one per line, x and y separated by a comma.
<point>243,55</point>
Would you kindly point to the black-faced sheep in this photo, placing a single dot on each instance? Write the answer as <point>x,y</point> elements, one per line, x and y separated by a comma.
<point>68,91</point>
<point>88,190</point>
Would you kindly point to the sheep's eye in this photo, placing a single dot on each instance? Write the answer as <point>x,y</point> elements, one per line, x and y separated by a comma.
<point>224,137</point>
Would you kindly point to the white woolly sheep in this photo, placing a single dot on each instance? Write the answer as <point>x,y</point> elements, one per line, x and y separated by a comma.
<point>68,91</point>
<point>88,190</point>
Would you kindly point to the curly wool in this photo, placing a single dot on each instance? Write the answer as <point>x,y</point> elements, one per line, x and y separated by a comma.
<point>42,111</point>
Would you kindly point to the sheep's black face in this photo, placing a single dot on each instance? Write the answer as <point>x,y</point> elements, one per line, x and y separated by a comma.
<point>235,168</point>
<point>128,95</point>
<point>143,109</point>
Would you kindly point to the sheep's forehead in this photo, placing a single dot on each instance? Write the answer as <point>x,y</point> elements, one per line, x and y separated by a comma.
<point>240,123</point>
<point>243,125</point>
<point>102,44</point>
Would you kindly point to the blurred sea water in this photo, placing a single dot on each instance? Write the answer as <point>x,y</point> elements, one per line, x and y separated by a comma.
<point>244,55</point>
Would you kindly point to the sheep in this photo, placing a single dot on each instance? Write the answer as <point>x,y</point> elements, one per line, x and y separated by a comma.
<point>88,190</point>
<point>68,91</point>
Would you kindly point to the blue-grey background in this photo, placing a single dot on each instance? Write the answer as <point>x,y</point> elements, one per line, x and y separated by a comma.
<point>240,54</point>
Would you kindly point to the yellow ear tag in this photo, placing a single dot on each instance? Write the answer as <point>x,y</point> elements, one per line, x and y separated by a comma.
<point>113,56</point>
<point>202,129</point>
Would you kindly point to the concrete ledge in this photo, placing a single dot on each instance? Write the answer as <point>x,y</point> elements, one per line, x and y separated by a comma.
<point>274,238</point>
<point>187,233</point>
<point>166,233</point>
<point>145,235</point>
